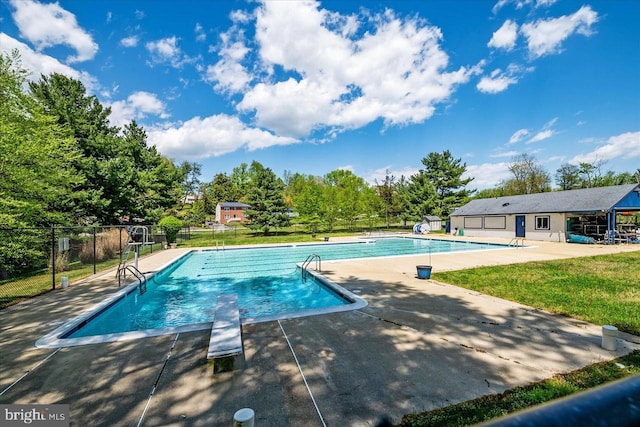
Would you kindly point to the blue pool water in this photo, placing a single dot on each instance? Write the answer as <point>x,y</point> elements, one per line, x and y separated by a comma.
<point>266,280</point>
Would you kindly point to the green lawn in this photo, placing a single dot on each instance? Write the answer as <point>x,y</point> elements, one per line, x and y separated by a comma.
<point>496,405</point>
<point>602,289</point>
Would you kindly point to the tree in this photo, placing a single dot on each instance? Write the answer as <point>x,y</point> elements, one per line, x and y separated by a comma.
<point>445,174</point>
<point>404,200</point>
<point>157,181</point>
<point>266,198</point>
<point>307,196</point>
<point>528,176</point>
<point>36,179</point>
<point>372,205</point>
<point>568,176</point>
<point>489,193</point>
<point>241,178</point>
<point>387,192</point>
<point>344,190</point>
<point>422,196</point>
<point>190,172</point>
<point>221,189</point>
<point>84,116</point>
<point>589,174</point>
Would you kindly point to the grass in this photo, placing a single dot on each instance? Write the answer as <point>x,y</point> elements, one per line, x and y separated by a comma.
<point>245,236</point>
<point>14,291</point>
<point>601,289</point>
<point>518,398</point>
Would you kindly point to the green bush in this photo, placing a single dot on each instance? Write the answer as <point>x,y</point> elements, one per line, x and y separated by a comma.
<point>171,225</point>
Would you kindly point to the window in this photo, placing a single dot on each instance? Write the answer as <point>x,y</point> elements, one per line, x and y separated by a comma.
<point>542,223</point>
<point>227,216</point>
<point>473,222</point>
<point>227,208</point>
<point>495,222</point>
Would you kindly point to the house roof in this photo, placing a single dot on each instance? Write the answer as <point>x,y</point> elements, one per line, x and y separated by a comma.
<point>584,200</point>
<point>233,205</point>
<point>432,218</point>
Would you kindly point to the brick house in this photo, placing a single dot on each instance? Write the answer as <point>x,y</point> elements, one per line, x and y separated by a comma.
<point>230,212</point>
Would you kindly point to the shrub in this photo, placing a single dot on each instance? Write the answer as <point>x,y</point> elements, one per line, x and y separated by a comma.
<point>171,225</point>
<point>107,247</point>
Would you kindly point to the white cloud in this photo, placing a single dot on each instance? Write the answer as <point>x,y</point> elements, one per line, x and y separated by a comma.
<point>212,136</point>
<point>545,3</point>
<point>499,80</point>
<point>380,173</point>
<point>131,41</point>
<point>505,37</point>
<point>504,154</point>
<point>550,123</point>
<point>40,64</point>
<point>545,36</point>
<point>519,4</point>
<point>487,175</point>
<point>545,133</point>
<point>626,145</point>
<point>164,50</point>
<point>167,51</point>
<point>519,135</point>
<point>200,34</point>
<point>137,106</point>
<point>496,82</point>
<point>337,80</point>
<point>541,136</point>
<point>228,74</point>
<point>47,25</point>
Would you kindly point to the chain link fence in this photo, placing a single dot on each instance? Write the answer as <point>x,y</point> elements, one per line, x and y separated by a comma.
<point>36,260</point>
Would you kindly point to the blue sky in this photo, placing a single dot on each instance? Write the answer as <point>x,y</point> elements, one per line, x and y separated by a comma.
<point>369,86</point>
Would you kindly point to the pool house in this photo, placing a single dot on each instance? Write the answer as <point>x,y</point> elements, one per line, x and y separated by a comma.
<point>602,213</point>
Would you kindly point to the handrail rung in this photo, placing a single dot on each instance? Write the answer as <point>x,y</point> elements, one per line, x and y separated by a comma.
<point>311,258</point>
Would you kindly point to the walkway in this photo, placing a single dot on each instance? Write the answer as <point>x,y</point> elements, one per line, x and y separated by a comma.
<point>417,346</point>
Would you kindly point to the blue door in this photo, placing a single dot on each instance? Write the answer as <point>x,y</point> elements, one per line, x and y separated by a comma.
<point>520,228</point>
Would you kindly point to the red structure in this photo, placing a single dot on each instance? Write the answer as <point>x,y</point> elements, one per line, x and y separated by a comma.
<point>231,211</point>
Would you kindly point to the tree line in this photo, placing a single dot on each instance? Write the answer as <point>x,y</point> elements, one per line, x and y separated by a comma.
<point>339,196</point>
<point>63,163</point>
<point>529,176</point>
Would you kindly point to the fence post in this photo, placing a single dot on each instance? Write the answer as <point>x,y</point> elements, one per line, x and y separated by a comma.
<point>53,257</point>
<point>94,250</point>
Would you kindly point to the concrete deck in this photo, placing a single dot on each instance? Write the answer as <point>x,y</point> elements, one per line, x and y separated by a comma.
<point>419,345</point>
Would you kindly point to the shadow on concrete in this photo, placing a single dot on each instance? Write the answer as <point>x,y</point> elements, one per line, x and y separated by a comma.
<point>417,346</point>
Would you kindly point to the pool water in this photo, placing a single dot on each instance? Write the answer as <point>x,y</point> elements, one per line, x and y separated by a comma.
<point>267,280</point>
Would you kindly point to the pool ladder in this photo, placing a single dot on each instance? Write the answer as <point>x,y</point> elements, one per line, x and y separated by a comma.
<point>515,240</point>
<point>142,279</point>
<point>309,260</point>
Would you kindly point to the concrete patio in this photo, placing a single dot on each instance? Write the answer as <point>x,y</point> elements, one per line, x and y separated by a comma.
<point>418,345</point>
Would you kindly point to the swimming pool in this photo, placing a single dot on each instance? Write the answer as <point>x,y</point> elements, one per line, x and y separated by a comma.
<point>268,281</point>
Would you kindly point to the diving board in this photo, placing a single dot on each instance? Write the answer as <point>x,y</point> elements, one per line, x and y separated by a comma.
<point>225,340</point>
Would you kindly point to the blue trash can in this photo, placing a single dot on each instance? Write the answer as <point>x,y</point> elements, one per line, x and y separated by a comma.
<point>424,271</point>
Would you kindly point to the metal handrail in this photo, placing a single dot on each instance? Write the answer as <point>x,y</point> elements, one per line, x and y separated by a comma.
<point>309,260</point>
<point>142,279</point>
<point>514,242</point>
